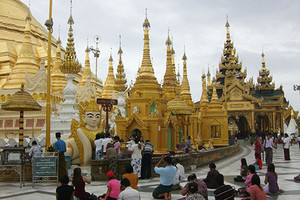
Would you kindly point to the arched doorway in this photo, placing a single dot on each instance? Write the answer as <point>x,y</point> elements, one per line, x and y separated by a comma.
<point>136,132</point>
<point>262,124</point>
<point>238,126</point>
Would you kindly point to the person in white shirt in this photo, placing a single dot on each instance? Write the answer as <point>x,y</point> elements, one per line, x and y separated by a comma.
<point>98,150</point>
<point>136,157</point>
<point>286,146</point>
<point>179,175</point>
<point>35,150</point>
<point>106,140</point>
<point>128,193</point>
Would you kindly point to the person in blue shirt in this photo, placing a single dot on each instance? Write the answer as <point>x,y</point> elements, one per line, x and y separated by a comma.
<point>167,173</point>
<point>60,148</point>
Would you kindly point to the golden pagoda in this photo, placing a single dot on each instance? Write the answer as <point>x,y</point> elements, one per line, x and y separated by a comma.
<point>170,83</point>
<point>146,109</point>
<point>58,79</point>
<point>26,61</point>
<point>264,81</point>
<point>120,76</point>
<point>109,88</point>
<point>185,85</point>
<point>86,70</point>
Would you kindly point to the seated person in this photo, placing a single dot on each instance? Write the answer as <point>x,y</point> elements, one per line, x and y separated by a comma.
<point>113,188</point>
<point>179,174</point>
<point>223,191</point>
<point>258,162</point>
<point>128,193</point>
<point>132,177</point>
<point>202,189</point>
<point>256,190</point>
<point>194,194</point>
<point>271,178</point>
<point>245,191</point>
<point>167,173</point>
<point>79,183</point>
<point>64,191</point>
<point>210,179</point>
<point>243,173</point>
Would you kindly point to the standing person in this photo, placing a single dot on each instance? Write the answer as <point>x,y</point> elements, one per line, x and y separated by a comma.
<point>106,140</point>
<point>113,188</point>
<point>117,145</point>
<point>202,188</point>
<point>132,177</point>
<point>256,190</point>
<point>148,150</point>
<point>111,156</point>
<point>98,150</point>
<point>127,192</point>
<point>271,178</point>
<point>188,144</point>
<point>167,173</point>
<point>223,191</point>
<point>286,146</point>
<point>136,157</point>
<point>257,146</point>
<point>35,150</point>
<point>179,174</point>
<point>65,191</point>
<point>130,142</point>
<point>79,183</point>
<point>269,148</point>
<point>60,148</point>
<point>210,179</point>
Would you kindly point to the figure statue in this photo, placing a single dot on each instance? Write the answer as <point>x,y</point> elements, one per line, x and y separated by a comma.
<point>197,142</point>
<point>209,145</point>
<point>81,141</point>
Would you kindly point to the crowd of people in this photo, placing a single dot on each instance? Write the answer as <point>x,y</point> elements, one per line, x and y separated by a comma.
<point>171,173</point>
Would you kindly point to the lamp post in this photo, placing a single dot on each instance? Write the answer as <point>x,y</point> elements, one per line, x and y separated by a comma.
<point>96,53</point>
<point>49,24</point>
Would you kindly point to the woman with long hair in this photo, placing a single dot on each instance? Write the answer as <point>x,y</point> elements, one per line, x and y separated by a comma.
<point>79,183</point>
<point>243,172</point>
<point>271,178</point>
<point>256,190</point>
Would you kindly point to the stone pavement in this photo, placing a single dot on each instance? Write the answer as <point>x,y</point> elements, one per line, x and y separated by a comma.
<point>229,167</point>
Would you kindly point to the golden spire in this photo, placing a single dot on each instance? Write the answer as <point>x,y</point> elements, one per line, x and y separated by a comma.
<point>70,64</point>
<point>204,99</point>
<point>227,28</point>
<point>87,69</point>
<point>146,72</point>
<point>208,77</point>
<point>170,82</point>
<point>58,79</point>
<point>121,77</point>
<point>185,86</point>
<point>26,61</point>
<point>178,77</point>
<point>172,56</point>
<point>110,82</point>
<point>214,94</point>
<point>264,80</point>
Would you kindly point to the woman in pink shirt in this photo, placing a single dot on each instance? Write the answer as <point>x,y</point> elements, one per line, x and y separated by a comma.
<point>256,191</point>
<point>117,145</point>
<point>113,188</point>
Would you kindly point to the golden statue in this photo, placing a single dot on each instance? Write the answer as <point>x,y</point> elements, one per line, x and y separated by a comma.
<point>209,145</point>
<point>81,141</point>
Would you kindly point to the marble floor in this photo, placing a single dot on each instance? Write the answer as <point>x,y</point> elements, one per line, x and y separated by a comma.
<point>229,167</point>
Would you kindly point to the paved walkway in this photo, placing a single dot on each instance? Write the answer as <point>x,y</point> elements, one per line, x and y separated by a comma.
<point>229,167</point>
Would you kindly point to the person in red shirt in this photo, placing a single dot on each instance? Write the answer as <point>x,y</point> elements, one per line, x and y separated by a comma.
<point>257,146</point>
<point>258,162</point>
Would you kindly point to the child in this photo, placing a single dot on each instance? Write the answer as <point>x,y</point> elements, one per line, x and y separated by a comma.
<point>194,194</point>
<point>65,191</point>
<point>271,177</point>
<point>258,162</point>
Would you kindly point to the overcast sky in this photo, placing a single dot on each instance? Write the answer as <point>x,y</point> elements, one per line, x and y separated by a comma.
<point>199,25</point>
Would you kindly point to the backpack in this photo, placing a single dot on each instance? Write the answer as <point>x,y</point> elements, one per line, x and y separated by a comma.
<point>92,197</point>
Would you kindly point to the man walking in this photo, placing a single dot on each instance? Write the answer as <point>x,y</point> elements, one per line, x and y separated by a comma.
<point>60,148</point>
<point>286,146</point>
<point>269,148</point>
<point>167,173</point>
<point>148,150</point>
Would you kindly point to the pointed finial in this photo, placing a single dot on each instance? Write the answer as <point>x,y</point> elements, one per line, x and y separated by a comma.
<point>110,58</point>
<point>71,7</point>
<point>172,50</point>
<point>227,23</point>
<point>184,55</point>
<point>146,23</point>
<point>71,21</point>
<point>59,31</point>
<point>120,49</point>
<point>168,42</point>
<point>263,60</point>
